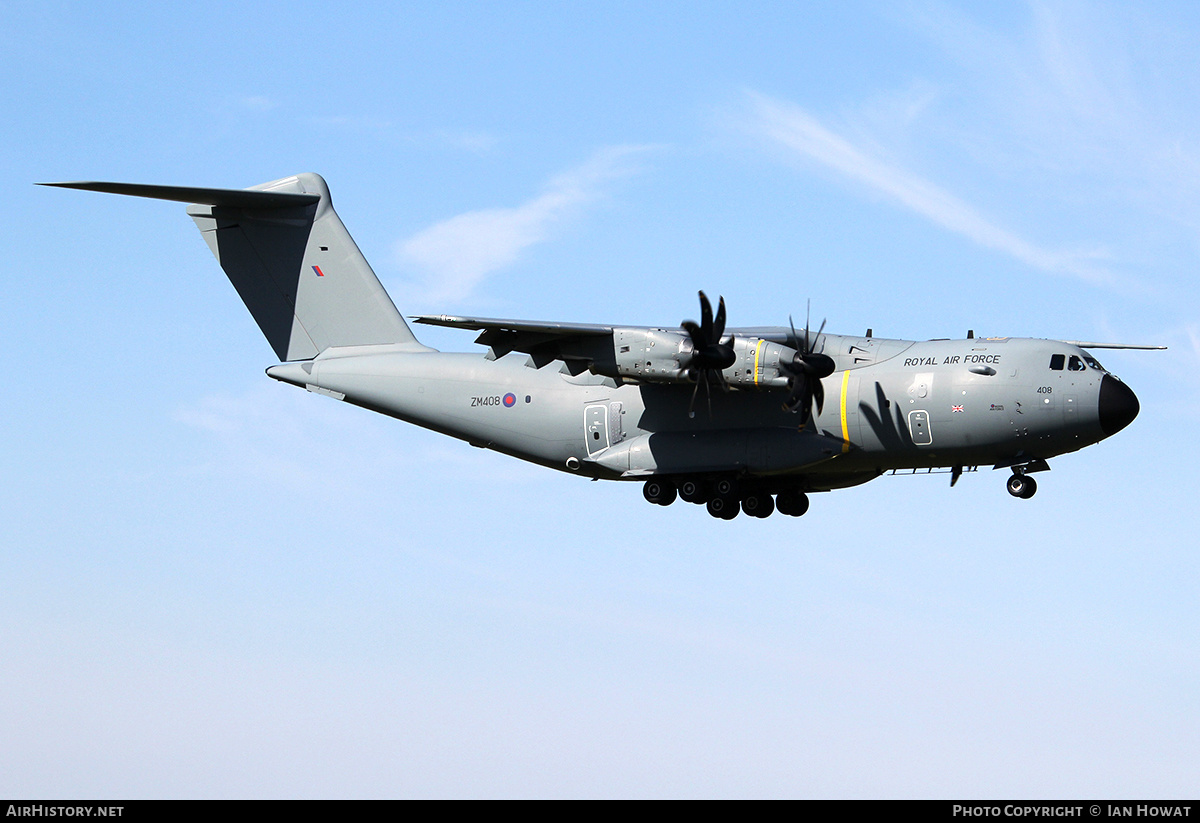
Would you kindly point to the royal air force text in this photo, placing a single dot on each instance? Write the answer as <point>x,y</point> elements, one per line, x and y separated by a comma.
<point>953,360</point>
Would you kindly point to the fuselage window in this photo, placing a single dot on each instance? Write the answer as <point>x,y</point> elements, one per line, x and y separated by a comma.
<point>1057,361</point>
<point>1075,364</point>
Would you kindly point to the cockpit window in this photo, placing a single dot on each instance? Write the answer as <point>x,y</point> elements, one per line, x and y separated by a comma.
<point>1075,364</point>
<point>1057,361</point>
<point>1093,362</point>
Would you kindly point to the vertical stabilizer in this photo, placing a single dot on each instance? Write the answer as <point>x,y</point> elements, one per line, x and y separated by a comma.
<point>300,272</point>
<point>292,261</point>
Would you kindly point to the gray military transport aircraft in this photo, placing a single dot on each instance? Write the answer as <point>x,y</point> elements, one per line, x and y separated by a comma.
<point>783,413</point>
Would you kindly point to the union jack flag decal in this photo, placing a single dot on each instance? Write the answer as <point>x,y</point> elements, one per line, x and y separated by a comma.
<point>956,408</point>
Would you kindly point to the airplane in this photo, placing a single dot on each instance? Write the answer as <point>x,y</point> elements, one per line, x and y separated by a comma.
<point>746,420</point>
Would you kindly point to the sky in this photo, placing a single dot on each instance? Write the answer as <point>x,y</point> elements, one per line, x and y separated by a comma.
<point>216,585</point>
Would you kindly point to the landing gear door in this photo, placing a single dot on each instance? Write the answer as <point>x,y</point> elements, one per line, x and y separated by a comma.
<point>595,428</point>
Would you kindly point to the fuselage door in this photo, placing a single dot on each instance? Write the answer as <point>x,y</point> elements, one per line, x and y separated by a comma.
<point>595,428</point>
<point>918,428</point>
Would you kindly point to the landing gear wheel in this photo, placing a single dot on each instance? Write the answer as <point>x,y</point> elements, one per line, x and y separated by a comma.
<point>693,491</point>
<point>792,503</point>
<point>725,508</point>
<point>1022,486</point>
<point>758,505</point>
<point>724,487</point>
<point>660,492</point>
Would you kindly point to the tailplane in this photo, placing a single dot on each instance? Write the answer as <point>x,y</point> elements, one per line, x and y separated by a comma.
<point>292,261</point>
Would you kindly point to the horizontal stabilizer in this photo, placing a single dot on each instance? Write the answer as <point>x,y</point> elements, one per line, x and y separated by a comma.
<point>230,198</point>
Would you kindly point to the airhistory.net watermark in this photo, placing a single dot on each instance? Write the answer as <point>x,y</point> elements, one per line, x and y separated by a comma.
<point>43,810</point>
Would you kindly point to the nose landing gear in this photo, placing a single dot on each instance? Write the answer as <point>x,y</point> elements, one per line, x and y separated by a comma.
<point>1022,486</point>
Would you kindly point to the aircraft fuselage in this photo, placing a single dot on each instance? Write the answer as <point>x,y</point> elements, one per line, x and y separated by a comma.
<point>891,404</point>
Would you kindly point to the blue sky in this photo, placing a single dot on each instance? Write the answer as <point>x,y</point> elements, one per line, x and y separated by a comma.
<point>219,586</point>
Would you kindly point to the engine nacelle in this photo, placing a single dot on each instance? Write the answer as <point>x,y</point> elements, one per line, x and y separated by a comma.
<point>664,356</point>
<point>757,363</point>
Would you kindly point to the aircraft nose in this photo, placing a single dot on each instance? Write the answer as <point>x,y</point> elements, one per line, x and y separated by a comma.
<point>1118,405</point>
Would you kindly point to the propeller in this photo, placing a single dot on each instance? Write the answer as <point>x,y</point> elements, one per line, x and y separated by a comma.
<point>806,369</point>
<point>710,356</point>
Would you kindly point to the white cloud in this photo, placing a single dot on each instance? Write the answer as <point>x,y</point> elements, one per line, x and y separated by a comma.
<point>803,136</point>
<point>453,256</point>
<point>1093,96</point>
<point>258,102</point>
<point>478,142</point>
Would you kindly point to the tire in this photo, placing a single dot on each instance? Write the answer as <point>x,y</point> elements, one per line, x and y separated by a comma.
<point>1021,486</point>
<point>792,503</point>
<point>758,505</point>
<point>724,487</point>
<point>724,508</point>
<point>693,491</point>
<point>659,492</point>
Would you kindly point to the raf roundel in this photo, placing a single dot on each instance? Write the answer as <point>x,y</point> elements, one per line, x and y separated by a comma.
<point>510,400</point>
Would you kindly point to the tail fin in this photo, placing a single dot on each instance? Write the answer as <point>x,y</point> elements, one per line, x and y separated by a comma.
<point>292,262</point>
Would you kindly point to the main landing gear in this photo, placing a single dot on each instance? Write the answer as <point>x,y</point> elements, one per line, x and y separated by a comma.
<point>661,492</point>
<point>724,497</point>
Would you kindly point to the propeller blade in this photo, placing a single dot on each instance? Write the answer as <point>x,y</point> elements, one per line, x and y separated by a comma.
<point>721,381</point>
<point>706,317</point>
<point>804,409</point>
<point>807,368</point>
<point>718,330</point>
<point>710,356</point>
<point>807,318</point>
<point>794,389</point>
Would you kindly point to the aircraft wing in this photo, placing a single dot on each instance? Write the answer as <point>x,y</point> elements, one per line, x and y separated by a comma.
<point>500,324</point>
<point>601,348</point>
<point>545,342</point>
<point>1083,344</point>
